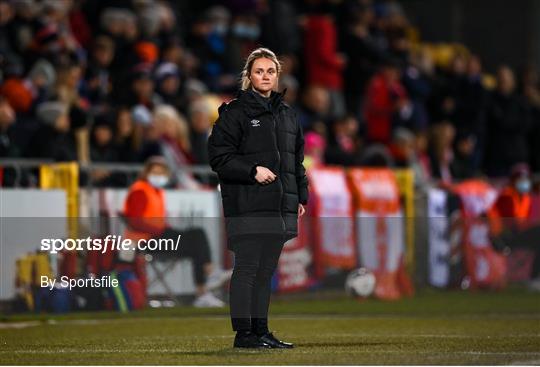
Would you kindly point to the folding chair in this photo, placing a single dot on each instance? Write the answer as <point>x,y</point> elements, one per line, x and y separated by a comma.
<point>154,259</point>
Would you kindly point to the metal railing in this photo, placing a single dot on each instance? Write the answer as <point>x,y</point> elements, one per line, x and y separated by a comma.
<point>22,167</point>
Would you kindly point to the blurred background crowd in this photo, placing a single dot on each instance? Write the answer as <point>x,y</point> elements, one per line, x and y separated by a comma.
<point>119,81</point>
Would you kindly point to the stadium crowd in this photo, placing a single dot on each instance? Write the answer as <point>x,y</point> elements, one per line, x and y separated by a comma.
<point>123,80</point>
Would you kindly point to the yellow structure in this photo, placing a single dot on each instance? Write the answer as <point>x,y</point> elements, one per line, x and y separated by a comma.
<point>405,181</point>
<point>64,176</point>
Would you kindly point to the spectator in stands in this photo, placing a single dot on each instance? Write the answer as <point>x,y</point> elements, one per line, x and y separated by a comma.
<point>463,166</point>
<point>6,16</point>
<point>53,139</point>
<point>209,44</point>
<point>127,136</point>
<point>402,147</point>
<point>514,201</point>
<point>404,154</point>
<point>448,86</point>
<point>441,152</point>
<point>531,93</point>
<point>139,57</point>
<point>67,92</point>
<point>171,133</point>
<point>279,27</point>
<point>511,217</point>
<point>323,64</point>
<point>142,88</point>
<point>362,54</point>
<point>98,77</point>
<point>376,155</point>
<point>15,91</point>
<point>313,113</point>
<point>103,150</point>
<point>385,97</point>
<point>417,79</point>
<point>470,99</point>
<point>243,38</point>
<point>344,144</point>
<point>290,83</point>
<point>101,141</point>
<point>121,25</point>
<point>145,214</point>
<point>421,145</point>
<point>170,86</point>
<point>7,119</point>
<point>314,149</point>
<point>201,127</point>
<point>508,126</point>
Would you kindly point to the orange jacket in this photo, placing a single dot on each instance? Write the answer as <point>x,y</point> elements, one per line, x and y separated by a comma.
<point>144,210</point>
<point>511,209</point>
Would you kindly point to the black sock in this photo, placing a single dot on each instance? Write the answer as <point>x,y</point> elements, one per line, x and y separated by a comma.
<point>243,333</point>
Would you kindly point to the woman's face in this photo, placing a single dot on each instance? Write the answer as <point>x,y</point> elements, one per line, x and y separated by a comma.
<point>124,123</point>
<point>264,75</point>
<point>167,127</point>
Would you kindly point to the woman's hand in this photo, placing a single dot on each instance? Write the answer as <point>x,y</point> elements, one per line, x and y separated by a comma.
<point>264,175</point>
<point>301,210</point>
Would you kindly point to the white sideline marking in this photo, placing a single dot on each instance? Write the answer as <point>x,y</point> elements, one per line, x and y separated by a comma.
<point>295,351</point>
<point>276,317</point>
<point>18,325</point>
<point>423,335</point>
<point>533,362</point>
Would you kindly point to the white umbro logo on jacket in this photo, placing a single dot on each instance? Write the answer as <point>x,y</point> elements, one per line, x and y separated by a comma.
<point>255,123</point>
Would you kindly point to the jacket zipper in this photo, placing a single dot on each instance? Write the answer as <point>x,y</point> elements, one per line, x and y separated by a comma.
<point>279,168</point>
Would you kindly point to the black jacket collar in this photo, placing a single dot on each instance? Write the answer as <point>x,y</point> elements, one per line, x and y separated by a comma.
<point>254,107</point>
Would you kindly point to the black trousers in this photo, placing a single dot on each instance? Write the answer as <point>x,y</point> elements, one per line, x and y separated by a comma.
<point>255,260</point>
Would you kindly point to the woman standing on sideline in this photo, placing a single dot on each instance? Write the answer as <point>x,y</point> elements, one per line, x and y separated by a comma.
<point>256,148</point>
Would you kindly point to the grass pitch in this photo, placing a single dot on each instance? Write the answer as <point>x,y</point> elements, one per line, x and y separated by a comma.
<point>434,327</point>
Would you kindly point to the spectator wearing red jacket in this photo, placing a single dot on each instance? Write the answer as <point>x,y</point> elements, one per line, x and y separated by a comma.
<point>324,65</point>
<point>384,97</point>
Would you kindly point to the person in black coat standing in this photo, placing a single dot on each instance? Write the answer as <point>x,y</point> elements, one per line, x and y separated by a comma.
<point>257,149</point>
<point>508,127</point>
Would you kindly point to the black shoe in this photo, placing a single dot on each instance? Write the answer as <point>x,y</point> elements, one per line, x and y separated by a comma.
<point>271,340</point>
<point>249,340</point>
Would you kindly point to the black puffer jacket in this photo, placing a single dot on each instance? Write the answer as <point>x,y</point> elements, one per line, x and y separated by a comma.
<point>247,134</point>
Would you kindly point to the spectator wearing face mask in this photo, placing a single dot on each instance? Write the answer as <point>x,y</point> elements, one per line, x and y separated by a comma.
<point>512,220</point>
<point>243,38</point>
<point>210,43</point>
<point>514,200</point>
<point>145,214</point>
